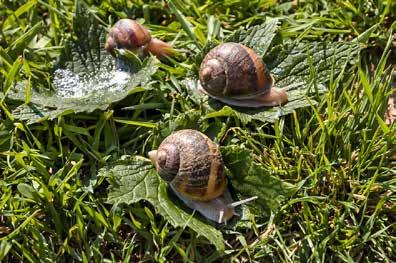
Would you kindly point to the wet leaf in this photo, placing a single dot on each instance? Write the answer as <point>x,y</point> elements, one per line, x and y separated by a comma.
<point>88,78</point>
<point>48,106</point>
<point>26,190</point>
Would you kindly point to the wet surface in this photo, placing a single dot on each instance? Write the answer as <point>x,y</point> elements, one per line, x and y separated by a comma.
<point>69,84</point>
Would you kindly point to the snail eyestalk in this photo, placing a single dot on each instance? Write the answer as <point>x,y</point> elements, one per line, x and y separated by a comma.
<point>232,206</point>
<point>244,201</point>
<point>221,215</point>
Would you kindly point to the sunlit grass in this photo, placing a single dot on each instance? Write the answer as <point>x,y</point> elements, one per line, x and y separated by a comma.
<point>339,151</point>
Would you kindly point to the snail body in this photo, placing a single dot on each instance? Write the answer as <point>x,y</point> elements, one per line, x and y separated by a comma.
<point>192,165</point>
<point>236,75</point>
<point>129,34</point>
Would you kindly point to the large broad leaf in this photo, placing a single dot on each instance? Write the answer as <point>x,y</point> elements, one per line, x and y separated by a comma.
<point>297,98</point>
<point>302,69</point>
<point>48,106</point>
<point>259,37</point>
<point>250,178</point>
<point>136,179</point>
<point>85,77</point>
<point>301,65</point>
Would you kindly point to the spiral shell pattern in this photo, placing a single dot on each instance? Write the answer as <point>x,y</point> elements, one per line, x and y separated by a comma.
<point>235,71</point>
<point>192,163</point>
<point>127,34</point>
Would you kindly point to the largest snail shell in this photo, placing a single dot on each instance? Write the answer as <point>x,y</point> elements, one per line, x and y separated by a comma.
<point>234,70</point>
<point>235,74</point>
<point>192,164</point>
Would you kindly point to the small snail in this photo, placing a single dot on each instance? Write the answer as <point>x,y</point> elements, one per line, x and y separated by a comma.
<point>129,34</point>
<point>234,74</point>
<point>193,166</point>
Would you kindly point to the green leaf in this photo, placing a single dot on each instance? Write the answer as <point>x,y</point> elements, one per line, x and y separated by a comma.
<point>291,64</point>
<point>46,106</point>
<point>250,178</point>
<point>365,36</point>
<point>23,41</point>
<point>12,74</point>
<point>21,10</point>
<point>185,120</point>
<point>259,38</point>
<point>136,179</point>
<point>137,123</point>
<point>5,247</point>
<point>185,24</point>
<point>26,190</point>
<point>302,69</point>
<point>86,77</point>
<point>297,99</point>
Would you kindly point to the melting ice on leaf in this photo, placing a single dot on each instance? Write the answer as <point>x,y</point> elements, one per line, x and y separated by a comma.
<point>108,88</point>
<point>85,77</point>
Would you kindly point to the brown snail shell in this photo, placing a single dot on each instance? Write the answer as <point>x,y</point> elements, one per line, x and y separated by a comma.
<point>192,164</point>
<point>129,34</point>
<point>236,75</point>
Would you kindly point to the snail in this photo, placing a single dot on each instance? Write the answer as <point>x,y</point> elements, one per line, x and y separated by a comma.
<point>129,34</point>
<point>193,166</point>
<point>236,75</point>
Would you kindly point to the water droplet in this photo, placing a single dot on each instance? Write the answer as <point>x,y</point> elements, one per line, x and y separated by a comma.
<point>108,79</point>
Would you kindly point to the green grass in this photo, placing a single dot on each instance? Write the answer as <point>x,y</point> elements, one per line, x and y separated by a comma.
<point>340,151</point>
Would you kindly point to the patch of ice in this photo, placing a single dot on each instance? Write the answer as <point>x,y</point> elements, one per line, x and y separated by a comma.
<point>107,80</point>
